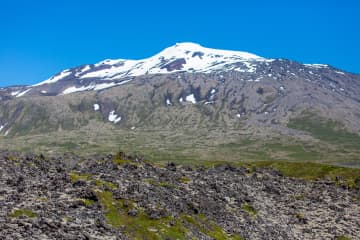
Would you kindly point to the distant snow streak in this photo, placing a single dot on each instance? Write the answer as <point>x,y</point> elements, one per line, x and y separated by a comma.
<point>96,107</point>
<point>191,98</point>
<point>55,78</point>
<point>113,117</point>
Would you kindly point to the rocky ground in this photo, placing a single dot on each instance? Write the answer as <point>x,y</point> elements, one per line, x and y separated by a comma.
<point>122,197</point>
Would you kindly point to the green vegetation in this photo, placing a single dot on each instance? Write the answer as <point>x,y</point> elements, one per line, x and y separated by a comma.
<point>208,227</point>
<point>120,160</point>
<point>311,171</point>
<point>102,183</point>
<point>184,180</point>
<point>342,238</point>
<point>87,202</point>
<point>300,216</point>
<point>141,226</point>
<point>23,212</point>
<point>183,147</point>
<point>79,176</point>
<point>249,209</point>
<point>298,152</point>
<point>324,129</point>
<point>43,199</point>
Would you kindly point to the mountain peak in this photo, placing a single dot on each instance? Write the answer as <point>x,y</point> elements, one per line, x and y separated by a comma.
<point>179,49</point>
<point>187,45</point>
<point>181,57</point>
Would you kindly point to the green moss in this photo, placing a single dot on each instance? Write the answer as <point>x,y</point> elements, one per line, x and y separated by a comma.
<point>23,212</point>
<point>102,183</point>
<point>11,158</point>
<point>343,238</point>
<point>140,226</point>
<point>184,180</point>
<point>43,199</point>
<point>87,202</point>
<point>208,227</point>
<point>75,176</point>
<point>120,160</point>
<point>299,216</point>
<point>249,209</point>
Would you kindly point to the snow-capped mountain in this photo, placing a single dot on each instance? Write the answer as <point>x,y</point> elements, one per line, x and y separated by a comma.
<point>219,95</point>
<point>181,58</point>
<point>188,57</point>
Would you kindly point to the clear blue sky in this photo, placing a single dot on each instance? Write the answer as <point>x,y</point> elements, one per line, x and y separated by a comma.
<point>41,38</point>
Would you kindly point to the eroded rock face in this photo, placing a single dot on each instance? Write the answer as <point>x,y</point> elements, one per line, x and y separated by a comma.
<point>67,197</point>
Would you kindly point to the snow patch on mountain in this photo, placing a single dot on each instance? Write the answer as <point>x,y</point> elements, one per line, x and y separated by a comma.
<point>317,66</point>
<point>55,78</point>
<point>77,89</point>
<point>95,87</point>
<point>23,93</point>
<point>113,117</point>
<point>96,107</point>
<point>83,70</point>
<point>191,98</point>
<point>15,93</point>
<point>168,102</point>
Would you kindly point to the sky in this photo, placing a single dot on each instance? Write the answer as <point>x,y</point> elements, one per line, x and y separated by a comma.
<point>41,38</point>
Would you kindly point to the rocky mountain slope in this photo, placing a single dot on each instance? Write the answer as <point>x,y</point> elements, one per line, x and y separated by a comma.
<point>192,101</point>
<point>124,197</point>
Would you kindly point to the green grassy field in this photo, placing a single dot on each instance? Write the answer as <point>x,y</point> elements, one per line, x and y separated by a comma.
<point>329,142</point>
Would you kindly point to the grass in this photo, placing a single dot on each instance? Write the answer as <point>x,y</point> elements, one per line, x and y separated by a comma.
<point>23,212</point>
<point>297,152</point>
<point>302,170</point>
<point>183,147</point>
<point>324,129</point>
